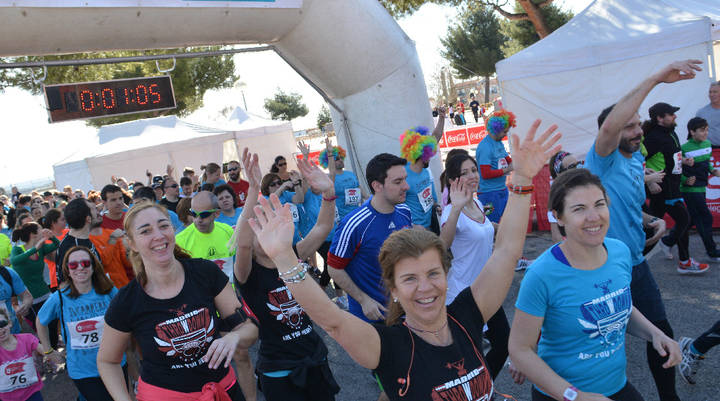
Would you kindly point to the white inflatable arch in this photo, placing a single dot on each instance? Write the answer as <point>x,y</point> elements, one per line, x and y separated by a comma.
<point>351,51</point>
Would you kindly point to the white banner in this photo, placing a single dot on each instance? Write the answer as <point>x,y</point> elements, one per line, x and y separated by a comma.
<point>156,3</point>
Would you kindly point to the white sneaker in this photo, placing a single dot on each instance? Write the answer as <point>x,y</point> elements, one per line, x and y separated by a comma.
<point>690,361</point>
<point>666,250</point>
<point>523,264</point>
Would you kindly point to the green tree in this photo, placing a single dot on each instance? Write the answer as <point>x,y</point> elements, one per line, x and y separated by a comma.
<point>521,33</point>
<point>474,45</point>
<point>191,78</point>
<point>285,106</point>
<point>530,10</point>
<point>323,117</point>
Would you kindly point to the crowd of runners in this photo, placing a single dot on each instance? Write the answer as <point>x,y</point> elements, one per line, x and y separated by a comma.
<point>157,289</point>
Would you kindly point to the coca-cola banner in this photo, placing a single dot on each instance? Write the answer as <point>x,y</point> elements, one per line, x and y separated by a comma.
<point>314,157</point>
<point>712,194</point>
<point>456,137</point>
<point>476,134</point>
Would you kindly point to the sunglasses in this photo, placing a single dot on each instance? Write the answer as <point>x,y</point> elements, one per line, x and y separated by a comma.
<point>282,164</point>
<point>233,168</point>
<point>204,214</point>
<point>172,186</point>
<point>76,264</point>
<point>4,324</point>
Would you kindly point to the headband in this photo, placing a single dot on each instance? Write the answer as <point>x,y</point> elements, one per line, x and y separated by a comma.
<point>338,154</point>
<point>557,164</point>
<point>417,143</point>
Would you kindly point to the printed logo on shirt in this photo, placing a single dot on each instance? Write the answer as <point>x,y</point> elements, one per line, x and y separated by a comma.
<point>285,308</point>
<point>606,317</point>
<point>469,386</point>
<point>391,226</point>
<point>186,337</point>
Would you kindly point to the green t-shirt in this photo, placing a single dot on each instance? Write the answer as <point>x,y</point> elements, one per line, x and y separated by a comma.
<point>701,152</point>
<point>211,246</point>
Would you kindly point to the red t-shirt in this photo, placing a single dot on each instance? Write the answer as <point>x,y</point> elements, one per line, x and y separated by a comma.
<point>241,189</point>
<point>111,224</point>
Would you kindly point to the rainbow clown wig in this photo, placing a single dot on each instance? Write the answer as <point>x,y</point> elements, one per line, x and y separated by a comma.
<point>499,121</point>
<point>338,153</point>
<point>416,143</point>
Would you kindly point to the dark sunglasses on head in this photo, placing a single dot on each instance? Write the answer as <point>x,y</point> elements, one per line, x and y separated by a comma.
<point>233,168</point>
<point>75,264</point>
<point>203,215</point>
<point>3,324</point>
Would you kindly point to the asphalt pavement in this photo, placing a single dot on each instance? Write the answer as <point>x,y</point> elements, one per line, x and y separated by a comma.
<point>692,304</point>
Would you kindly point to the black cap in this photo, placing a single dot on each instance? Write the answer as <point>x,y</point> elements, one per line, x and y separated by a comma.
<point>661,109</point>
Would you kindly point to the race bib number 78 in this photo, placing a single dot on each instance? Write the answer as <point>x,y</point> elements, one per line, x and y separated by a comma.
<point>86,334</point>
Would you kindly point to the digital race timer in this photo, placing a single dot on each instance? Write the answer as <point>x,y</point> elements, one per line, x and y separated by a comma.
<point>85,100</point>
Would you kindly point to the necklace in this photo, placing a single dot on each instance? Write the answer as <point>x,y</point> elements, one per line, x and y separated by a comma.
<point>436,333</point>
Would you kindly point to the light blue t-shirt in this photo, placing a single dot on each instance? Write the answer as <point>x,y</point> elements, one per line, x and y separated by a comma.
<point>6,294</point>
<point>309,214</point>
<point>347,190</point>
<point>585,316</point>
<point>421,196</point>
<point>624,181</point>
<point>286,197</point>
<point>493,153</point>
<point>81,317</point>
<point>231,221</point>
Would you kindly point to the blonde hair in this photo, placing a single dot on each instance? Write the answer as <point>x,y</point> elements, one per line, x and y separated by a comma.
<point>134,256</point>
<point>209,168</point>
<point>408,243</point>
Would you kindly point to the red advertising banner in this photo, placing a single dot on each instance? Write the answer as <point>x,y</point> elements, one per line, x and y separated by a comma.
<point>314,157</point>
<point>712,194</point>
<point>441,143</point>
<point>476,134</point>
<point>456,137</point>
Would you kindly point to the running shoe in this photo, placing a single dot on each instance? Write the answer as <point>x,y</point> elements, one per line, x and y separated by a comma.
<point>523,263</point>
<point>692,267</point>
<point>690,361</point>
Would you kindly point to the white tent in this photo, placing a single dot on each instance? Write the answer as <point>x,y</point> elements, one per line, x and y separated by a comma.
<point>589,63</point>
<point>129,149</point>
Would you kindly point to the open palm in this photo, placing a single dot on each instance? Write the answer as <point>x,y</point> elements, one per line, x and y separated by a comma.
<point>273,225</point>
<point>317,179</point>
<point>530,155</point>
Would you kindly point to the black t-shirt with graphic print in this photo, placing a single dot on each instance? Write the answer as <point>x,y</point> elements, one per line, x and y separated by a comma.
<point>286,331</point>
<point>456,372</point>
<point>174,334</point>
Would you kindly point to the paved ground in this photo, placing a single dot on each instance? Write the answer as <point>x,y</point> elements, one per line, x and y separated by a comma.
<point>692,303</point>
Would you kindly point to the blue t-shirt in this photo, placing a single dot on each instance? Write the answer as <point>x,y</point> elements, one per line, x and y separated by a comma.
<point>6,294</point>
<point>309,214</point>
<point>585,316</point>
<point>286,197</point>
<point>347,190</point>
<point>356,246</point>
<point>493,153</point>
<point>624,181</point>
<point>82,317</point>
<point>217,184</point>
<point>231,221</point>
<point>421,196</point>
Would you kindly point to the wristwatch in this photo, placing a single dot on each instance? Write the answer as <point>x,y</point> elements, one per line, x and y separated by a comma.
<point>570,394</point>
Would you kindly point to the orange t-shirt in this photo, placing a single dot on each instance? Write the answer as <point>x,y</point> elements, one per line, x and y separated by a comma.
<point>114,258</point>
<point>50,260</point>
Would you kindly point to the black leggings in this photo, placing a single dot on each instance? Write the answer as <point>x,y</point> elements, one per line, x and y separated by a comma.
<point>52,327</point>
<point>664,378</point>
<point>93,388</point>
<point>708,340</point>
<point>679,234</point>
<point>283,389</point>
<point>628,393</point>
<point>497,333</point>
<point>325,276</point>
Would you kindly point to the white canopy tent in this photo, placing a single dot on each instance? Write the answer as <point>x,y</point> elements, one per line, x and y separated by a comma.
<point>129,149</point>
<point>589,63</point>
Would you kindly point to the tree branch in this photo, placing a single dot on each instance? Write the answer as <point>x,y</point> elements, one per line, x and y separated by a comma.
<point>511,16</point>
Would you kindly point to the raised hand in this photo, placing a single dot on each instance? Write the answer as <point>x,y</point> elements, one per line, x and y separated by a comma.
<point>678,71</point>
<point>304,149</point>
<point>251,166</point>
<point>530,156</point>
<point>460,192</point>
<point>273,225</point>
<point>328,146</point>
<point>318,180</point>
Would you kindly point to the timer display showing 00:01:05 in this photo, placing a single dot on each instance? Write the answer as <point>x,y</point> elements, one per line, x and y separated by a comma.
<point>107,97</point>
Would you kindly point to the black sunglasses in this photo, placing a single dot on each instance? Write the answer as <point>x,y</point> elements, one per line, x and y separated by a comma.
<point>3,324</point>
<point>282,164</point>
<point>172,186</point>
<point>204,214</point>
<point>233,168</point>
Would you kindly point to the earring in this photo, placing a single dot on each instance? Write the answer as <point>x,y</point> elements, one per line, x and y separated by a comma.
<point>395,299</point>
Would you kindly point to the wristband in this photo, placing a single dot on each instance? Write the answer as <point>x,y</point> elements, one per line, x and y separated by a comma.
<point>521,190</point>
<point>50,351</point>
<point>330,199</point>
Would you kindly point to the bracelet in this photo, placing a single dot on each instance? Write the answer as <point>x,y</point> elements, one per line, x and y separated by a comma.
<point>292,270</point>
<point>297,277</point>
<point>521,190</point>
<point>330,199</point>
<point>50,351</point>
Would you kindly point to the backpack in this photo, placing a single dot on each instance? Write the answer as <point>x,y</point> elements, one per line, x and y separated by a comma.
<point>6,275</point>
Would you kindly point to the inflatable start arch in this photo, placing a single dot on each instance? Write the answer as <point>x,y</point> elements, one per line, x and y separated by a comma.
<point>351,51</point>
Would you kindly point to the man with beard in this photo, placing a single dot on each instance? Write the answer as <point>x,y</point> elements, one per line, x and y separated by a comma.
<point>417,146</point>
<point>238,185</point>
<point>664,154</point>
<point>614,157</point>
<point>81,215</point>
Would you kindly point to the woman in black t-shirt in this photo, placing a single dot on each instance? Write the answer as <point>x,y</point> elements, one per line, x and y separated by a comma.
<point>292,362</point>
<point>433,354</point>
<point>171,308</point>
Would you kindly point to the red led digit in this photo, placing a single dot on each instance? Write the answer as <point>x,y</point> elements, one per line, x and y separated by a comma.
<point>104,94</point>
<point>155,93</point>
<point>144,99</point>
<point>86,100</point>
<point>127,96</point>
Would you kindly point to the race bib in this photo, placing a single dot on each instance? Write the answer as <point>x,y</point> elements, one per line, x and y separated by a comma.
<point>677,159</point>
<point>17,375</point>
<point>352,196</point>
<point>426,199</point>
<point>86,334</point>
<point>294,212</point>
<point>502,163</point>
<point>226,265</point>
